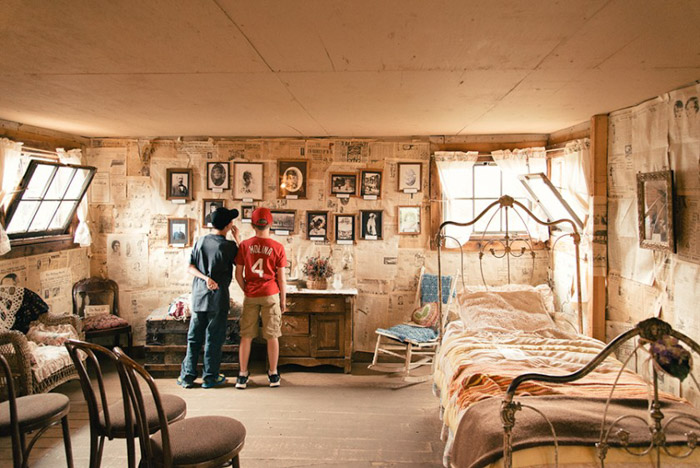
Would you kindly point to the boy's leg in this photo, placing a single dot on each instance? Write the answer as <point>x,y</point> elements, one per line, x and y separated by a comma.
<point>195,337</point>
<point>215,337</point>
<point>249,330</point>
<point>272,330</point>
<point>244,354</point>
<point>273,353</point>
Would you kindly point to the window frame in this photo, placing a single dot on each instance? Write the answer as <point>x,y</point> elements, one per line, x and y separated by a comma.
<point>46,235</point>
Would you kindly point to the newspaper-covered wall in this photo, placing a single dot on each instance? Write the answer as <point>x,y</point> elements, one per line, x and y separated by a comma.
<point>660,134</point>
<point>129,216</point>
<point>50,275</point>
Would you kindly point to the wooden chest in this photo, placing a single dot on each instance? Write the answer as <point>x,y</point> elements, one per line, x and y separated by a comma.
<point>317,328</point>
<point>166,344</point>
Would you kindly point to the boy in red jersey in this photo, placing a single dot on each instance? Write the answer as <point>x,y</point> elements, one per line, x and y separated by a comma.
<point>260,264</point>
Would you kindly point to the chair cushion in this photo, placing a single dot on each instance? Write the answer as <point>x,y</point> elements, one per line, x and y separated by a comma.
<point>194,440</point>
<point>51,335</point>
<point>103,322</point>
<point>32,409</point>
<point>426,315</point>
<point>173,406</point>
<point>409,333</point>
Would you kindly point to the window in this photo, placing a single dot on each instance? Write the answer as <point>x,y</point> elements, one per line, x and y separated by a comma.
<point>46,200</point>
<point>475,189</point>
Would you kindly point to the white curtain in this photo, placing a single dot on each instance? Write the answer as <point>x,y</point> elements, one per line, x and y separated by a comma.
<point>82,233</point>
<point>576,167</point>
<point>454,168</point>
<point>518,162</point>
<point>11,168</point>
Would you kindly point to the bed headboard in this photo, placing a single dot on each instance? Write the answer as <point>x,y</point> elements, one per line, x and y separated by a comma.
<point>510,246</point>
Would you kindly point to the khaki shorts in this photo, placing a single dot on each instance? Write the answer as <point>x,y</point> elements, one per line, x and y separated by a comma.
<point>269,308</point>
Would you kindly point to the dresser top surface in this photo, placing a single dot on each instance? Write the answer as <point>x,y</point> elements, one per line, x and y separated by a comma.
<point>321,292</point>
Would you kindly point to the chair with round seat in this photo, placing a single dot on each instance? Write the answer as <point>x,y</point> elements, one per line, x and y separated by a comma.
<point>31,413</point>
<point>204,441</point>
<point>115,420</point>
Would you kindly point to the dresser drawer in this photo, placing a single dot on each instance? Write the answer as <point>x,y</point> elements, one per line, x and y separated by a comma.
<point>295,324</point>
<point>315,304</point>
<point>295,346</point>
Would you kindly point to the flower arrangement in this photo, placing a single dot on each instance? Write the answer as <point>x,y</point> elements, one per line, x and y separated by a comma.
<point>317,267</point>
<point>671,356</point>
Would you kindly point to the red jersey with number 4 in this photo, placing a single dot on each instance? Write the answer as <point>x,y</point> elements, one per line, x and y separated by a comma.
<point>261,258</point>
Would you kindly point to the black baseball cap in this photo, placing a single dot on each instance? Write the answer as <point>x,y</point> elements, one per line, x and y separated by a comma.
<point>222,216</point>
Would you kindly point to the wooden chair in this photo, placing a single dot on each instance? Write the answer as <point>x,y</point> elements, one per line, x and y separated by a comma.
<point>95,292</point>
<point>205,441</point>
<point>410,346</point>
<point>21,415</point>
<point>115,420</point>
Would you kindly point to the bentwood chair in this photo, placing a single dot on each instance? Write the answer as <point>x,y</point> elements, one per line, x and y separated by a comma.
<point>115,420</point>
<point>31,413</point>
<point>204,441</point>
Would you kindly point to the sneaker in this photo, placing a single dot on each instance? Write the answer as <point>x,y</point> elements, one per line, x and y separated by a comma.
<point>219,380</point>
<point>274,379</point>
<point>184,383</point>
<point>242,381</point>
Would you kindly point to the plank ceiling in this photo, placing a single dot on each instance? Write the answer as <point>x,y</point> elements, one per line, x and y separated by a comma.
<point>337,68</point>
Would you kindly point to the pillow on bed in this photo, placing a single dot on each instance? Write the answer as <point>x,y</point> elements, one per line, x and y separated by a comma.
<point>513,310</point>
<point>542,289</point>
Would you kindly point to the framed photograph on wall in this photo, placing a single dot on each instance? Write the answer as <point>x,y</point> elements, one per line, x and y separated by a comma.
<point>178,232</point>
<point>409,220</point>
<point>371,224</point>
<point>209,206</point>
<point>248,181</point>
<point>409,177</point>
<point>345,229</point>
<point>343,184</point>
<point>179,185</point>
<point>317,225</point>
<point>218,177</point>
<point>655,210</point>
<point>247,213</point>
<point>283,222</point>
<point>292,178</point>
<point>371,185</point>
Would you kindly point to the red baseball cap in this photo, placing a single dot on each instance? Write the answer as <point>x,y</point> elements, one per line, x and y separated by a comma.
<point>261,217</point>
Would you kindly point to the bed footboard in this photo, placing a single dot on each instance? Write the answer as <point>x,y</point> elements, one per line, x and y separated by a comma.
<point>662,342</point>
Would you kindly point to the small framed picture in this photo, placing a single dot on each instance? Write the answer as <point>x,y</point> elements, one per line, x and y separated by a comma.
<point>317,223</point>
<point>343,184</point>
<point>283,221</point>
<point>344,229</point>
<point>179,184</point>
<point>209,206</point>
<point>178,232</point>
<point>247,213</point>
<point>371,184</point>
<point>248,181</point>
<point>371,224</point>
<point>655,210</point>
<point>292,178</point>
<point>218,177</point>
<point>409,177</point>
<point>409,220</point>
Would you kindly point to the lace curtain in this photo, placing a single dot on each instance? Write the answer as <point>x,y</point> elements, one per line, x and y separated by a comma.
<point>454,167</point>
<point>11,168</point>
<point>517,162</point>
<point>576,166</point>
<point>82,233</point>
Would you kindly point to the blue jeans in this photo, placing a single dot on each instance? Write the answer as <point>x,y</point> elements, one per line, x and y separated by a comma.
<point>208,328</point>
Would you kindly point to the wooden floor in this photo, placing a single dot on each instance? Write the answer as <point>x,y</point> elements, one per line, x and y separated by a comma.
<point>318,417</point>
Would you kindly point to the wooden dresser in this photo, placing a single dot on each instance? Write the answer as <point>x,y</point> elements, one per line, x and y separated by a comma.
<point>317,328</point>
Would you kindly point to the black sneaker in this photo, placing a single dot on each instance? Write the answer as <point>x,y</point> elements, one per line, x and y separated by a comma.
<point>274,379</point>
<point>242,381</point>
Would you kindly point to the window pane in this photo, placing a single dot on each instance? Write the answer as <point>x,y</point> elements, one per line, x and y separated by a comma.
<point>487,181</point>
<point>513,187</point>
<point>22,217</point>
<point>60,183</point>
<point>77,184</point>
<point>43,216</point>
<point>63,215</point>
<point>515,223</point>
<point>495,220</point>
<point>41,176</point>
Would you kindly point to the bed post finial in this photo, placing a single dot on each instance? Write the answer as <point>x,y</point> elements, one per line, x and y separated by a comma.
<point>508,409</point>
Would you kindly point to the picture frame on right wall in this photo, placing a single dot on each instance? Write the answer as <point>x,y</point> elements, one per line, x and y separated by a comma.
<point>409,222</point>
<point>371,185</point>
<point>371,224</point>
<point>655,210</point>
<point>345,229</point>
<point>248,181</point>
<point>409,176</point>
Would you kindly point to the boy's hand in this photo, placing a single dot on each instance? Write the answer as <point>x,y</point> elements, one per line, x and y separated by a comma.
<point>211,284</point>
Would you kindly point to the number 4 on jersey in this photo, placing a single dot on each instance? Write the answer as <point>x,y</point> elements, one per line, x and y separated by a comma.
<point>257,267</point>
